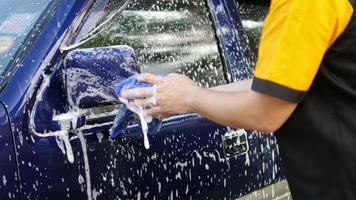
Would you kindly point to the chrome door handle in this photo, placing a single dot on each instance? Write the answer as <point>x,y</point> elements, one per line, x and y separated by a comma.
<point>235,142</point>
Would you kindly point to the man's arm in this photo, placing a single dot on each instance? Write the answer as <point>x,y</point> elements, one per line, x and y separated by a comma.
<point>238,107</point>
<point>245,109</point>
<point>235,87</point>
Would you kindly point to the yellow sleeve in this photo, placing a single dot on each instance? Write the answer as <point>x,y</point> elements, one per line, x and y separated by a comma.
<point>295,37</point>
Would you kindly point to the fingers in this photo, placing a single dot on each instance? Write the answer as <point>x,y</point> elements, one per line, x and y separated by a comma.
<point>141,102</point>
<point>137,93</point>
<point>149,78</point>
<point>157,112</point>
<point>154,112</point>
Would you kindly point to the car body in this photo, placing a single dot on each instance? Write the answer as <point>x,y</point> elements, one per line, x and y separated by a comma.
<point>190,157</point>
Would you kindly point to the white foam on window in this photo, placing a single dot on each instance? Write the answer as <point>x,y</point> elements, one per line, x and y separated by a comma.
<point>251,24</point>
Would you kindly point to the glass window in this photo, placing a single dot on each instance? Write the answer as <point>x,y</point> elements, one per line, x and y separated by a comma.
<point>252,14</point>
<point>169,36</point>
<point>99,16</point>
<point>17,19</point>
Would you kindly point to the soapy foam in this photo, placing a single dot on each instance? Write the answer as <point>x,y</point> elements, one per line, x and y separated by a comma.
<point>65,138</point>
<point>93,83</point>
<point>4,181</point>
<point>144,128</point>
<point>62,136</point>
<point>66,116</point>
<point>251,24</point>
<point>144,119</point>
<point>86,164</point>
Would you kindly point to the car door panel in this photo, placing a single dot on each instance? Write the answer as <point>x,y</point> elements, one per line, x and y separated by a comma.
<point>185,161</point>
<point>187,158</point>
<point>9,187</point>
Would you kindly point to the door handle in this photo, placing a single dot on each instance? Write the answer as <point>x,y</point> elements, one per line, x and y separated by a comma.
<point>235,143</point>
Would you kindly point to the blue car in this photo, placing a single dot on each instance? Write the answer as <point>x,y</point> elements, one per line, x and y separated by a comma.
<point>59,63</point>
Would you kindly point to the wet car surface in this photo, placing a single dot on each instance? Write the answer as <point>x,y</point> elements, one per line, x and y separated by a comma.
<point>190,157</point>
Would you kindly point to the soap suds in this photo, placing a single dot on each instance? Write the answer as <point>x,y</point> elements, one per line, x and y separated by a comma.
<point>94,85</point>
<point>144,119</point>
<point>4,180</point>
<point>86,164</point>
<point>144,128</point>
<point>65,138</point>
<point>66,121</point>
<point>251,24</point>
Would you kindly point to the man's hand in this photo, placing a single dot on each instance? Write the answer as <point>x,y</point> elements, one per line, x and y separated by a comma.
<point>173,94</point>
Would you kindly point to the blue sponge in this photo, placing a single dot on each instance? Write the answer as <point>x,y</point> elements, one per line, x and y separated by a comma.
<point>130,83</point>
<point>122,119</point>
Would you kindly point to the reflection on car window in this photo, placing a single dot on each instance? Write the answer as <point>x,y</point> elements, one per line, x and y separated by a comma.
<point>17,18</point>
<point>100,14</point>
<point>169,36</point>
<point>252,14</point>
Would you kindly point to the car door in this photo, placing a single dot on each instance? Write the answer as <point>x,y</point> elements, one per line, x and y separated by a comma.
<point>8,170</point>
<point>190,156</point>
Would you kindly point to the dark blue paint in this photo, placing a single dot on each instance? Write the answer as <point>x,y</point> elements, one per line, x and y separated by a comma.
<point>273,169</point>
<point>8,171</point>
<point>50,105</point>
<point>122,168</point>
<point>225,177</point>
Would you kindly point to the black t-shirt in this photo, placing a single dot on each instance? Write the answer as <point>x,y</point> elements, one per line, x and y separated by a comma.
<point>318,142</point>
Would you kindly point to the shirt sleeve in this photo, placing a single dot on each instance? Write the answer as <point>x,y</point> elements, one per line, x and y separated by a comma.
<point>295,37</point>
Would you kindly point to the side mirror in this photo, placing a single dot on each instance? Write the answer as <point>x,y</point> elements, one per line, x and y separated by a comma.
<point>89,77</point>
<point>91,74</point>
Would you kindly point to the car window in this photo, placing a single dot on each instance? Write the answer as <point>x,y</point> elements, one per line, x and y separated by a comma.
<point>17,19</point>
<point>100,12</point>
<point>253,14</point>
<point>169,36</point>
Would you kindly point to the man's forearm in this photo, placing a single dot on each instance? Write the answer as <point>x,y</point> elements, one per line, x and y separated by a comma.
<point>243,85</point>
<point>245,109</point>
